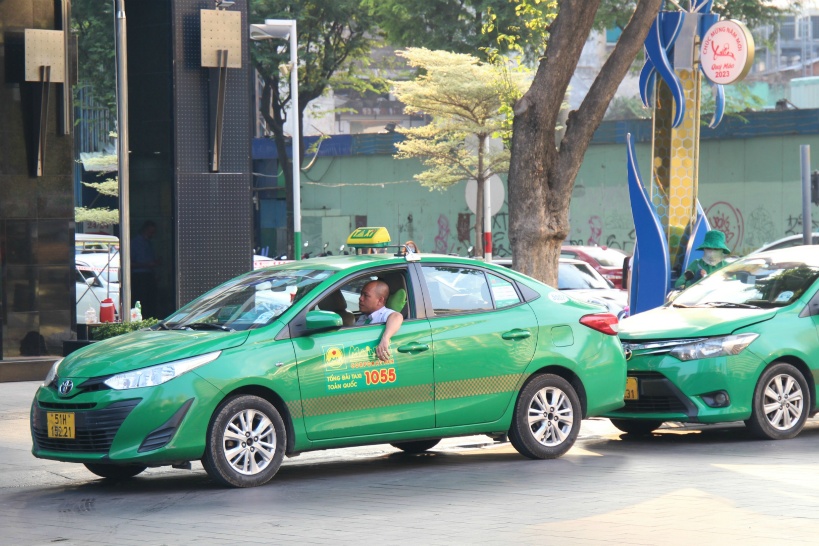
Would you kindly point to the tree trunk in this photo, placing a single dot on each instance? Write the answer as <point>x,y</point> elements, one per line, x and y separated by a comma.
<point>541,176</point>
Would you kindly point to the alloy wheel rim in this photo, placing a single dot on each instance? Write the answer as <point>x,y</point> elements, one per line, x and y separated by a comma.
<point>249,442</point>
<point>551,417</point>
<point>783,402</point>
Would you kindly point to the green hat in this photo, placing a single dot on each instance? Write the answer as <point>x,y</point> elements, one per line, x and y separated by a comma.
<point>715,239</point>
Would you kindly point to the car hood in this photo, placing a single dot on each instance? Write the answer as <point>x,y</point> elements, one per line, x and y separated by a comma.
<point>673,322</point>
<point>145,348</point>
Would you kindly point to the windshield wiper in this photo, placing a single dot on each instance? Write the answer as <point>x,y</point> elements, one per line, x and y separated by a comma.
<point>728,304</point>
<point>207,326</point>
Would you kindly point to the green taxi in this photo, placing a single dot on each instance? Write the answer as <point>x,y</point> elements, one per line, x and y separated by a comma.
<point>740,345</point>
<point>271,364</point>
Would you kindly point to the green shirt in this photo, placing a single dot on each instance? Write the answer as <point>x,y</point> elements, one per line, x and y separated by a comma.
<point>696,267</point>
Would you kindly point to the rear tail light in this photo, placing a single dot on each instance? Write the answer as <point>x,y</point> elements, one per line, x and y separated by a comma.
<point>602,322</point>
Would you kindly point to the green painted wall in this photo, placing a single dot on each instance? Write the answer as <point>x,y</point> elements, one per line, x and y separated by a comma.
<point>337,189</point>
<point>750,187</point>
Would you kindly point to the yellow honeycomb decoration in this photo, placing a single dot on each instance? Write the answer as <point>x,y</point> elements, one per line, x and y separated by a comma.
<point>675,159</point>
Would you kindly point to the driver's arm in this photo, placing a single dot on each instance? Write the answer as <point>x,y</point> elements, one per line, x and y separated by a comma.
<point>392,325</point>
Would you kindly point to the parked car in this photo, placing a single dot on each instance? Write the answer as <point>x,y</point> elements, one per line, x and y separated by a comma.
<point>93,243</point>
<point>269,364</point>
<point>607,261</point>
<point>581,281</point>
<point>786,242</point>
<point>96,262</point>
<point>740,345</point>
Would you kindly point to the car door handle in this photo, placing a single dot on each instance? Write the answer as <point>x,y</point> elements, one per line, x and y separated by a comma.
<point>516,334</point>
<point>413,348</point>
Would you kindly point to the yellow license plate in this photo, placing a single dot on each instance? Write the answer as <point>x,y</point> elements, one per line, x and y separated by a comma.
<point>631,389</point>
<point>61,425</point>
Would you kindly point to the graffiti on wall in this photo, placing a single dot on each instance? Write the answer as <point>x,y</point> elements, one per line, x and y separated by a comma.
<point>795,225</point>
<point>615,231</point>
<point>500,235</point>
<point>442,239</point>
<point>728,219</point>
<point>759,229</point>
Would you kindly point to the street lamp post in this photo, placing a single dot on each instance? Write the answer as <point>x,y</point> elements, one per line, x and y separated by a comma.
<point>283,29</point>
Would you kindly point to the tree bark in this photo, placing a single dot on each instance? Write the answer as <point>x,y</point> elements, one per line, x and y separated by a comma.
<point>541,175</point>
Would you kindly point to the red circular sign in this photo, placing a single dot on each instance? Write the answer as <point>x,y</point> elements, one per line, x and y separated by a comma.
<point>727,52</point>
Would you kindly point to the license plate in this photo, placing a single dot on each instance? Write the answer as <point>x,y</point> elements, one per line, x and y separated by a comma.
<point>631,389</point>
<point>61,425</point>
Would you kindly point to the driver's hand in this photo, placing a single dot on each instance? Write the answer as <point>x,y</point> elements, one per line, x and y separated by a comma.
<point>382,351</point>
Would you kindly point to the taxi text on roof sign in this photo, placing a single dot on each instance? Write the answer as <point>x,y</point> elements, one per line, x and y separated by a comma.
<point>369,237</point>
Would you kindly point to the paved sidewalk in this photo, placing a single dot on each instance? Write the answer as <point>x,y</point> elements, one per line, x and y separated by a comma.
<point>681,486</point>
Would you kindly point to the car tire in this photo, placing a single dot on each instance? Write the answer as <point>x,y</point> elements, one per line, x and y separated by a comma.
<point>636,427</point>
<point>547,418</point>
<point>245,442</point>
<point>115,471</point>
<point>781,403</point>
<point>417,446</point>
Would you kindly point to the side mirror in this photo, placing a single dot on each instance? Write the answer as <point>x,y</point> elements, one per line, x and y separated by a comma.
<point>90,281</point>
<point>323,320</point>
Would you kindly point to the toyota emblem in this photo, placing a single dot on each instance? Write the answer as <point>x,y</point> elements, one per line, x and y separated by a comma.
<point>66,386</point>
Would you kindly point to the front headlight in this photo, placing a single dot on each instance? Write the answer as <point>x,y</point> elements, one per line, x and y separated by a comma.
<point>156,375</point>
<point>713,347</point>
<point>52,373</point>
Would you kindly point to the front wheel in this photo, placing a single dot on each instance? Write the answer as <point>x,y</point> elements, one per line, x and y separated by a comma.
<point>245,444</point>
<point>547,418</point>
<point>115,471</point>
<point>780,408</point>
<point>636,427</point>
<point>417,446</point>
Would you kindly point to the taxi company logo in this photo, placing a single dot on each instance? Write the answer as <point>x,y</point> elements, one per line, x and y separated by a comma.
<point>334,357</point>
<point>66,386</point>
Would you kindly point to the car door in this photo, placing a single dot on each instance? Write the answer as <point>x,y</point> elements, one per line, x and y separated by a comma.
<point>484,336</point>
<point>347,391</point>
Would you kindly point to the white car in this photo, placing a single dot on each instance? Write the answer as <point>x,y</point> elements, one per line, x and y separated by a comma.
<point>785,242</point>
<point>96,278</point>
<point>581,281</point>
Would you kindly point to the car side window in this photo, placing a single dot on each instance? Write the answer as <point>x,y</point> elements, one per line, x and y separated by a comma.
<point>454,290</point>
<point>351,290</point>
<point>503,291</point>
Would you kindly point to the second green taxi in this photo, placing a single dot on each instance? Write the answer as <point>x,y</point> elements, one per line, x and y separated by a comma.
<point>740,345</point>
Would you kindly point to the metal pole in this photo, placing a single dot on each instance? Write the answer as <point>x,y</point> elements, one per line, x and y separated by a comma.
<point>487,220</point>
<point>123,163</point>
<point>294,101</point>
<point>807,223</point>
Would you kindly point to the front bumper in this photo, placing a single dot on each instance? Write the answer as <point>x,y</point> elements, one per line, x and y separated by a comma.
<point>152,425</point>
<point>673,390</point>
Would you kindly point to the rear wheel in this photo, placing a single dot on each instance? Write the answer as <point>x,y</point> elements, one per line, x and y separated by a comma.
<point>636,427</point>
<point>245,444</point>
<point>418,446</point>
<point>115,471</point>
<point>780,404</point>
<point>547,418</point>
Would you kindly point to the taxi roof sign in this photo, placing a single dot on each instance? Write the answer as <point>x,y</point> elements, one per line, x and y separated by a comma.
<point>369,237</point>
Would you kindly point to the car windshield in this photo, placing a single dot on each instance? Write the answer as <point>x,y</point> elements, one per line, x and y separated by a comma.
<point>762,282</point>
<point>578,277</point>
<point>251,301</point>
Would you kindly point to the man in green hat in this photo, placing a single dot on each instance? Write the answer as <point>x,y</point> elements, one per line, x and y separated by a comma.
<point>714,251</point>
